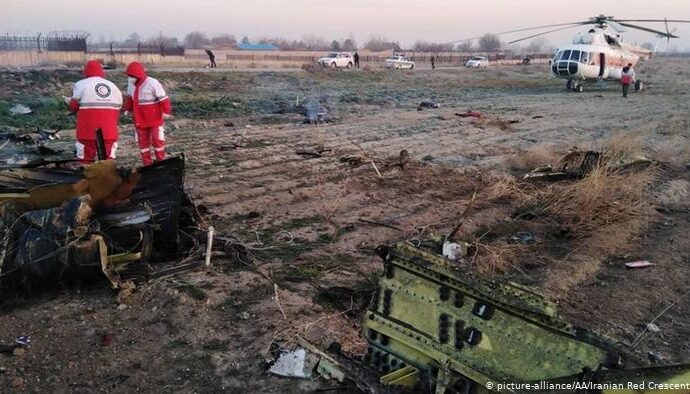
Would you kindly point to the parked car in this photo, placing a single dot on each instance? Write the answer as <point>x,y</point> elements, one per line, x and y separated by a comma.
<point>399,62</point>
<point>477,61</point>
<point>337,60</point>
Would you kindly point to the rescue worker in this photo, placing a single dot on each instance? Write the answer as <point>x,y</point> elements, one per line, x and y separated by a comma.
<point>149,104</point>
<point>97,103</point>
<point>627,78</point>
<point>356,56</point>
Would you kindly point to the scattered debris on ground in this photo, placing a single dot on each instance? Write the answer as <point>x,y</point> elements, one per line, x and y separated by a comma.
<point>292,255</point>
<point>470,114</point>
<point>20,109</point>
<point>639,264</point>
<point>428,105</point>
<point>314,153</point>
<point>577,163</point>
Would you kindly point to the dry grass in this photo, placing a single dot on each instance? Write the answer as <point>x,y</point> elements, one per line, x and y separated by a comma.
<point>600,213</point>
<point>498,123</point>
<point>492,259</point>
<point>537,155</point>
<point>623,144</point>
<point>601,198</point>
<point>507,188</point>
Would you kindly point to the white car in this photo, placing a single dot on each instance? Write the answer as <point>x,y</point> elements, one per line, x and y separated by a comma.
<point>337,60</point>
<point>477,61</point>
<point>399,63</point>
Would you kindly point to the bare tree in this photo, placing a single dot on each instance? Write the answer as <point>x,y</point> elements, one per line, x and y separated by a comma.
<point>283,43</point>
<point>423,46</point>
<point>350,44</point>
<point>335,46</point>
<point>164,41</point>
<point>314,43</point>
<point>378,44</point>
<point>489,43</point>
<point>132,41</point>
<point>196,40</point>
<point>465,46</point>
<point>537,45</point>
<point>224,40</point>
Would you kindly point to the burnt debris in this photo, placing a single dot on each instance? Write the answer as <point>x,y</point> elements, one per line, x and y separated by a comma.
<point>66,225</point>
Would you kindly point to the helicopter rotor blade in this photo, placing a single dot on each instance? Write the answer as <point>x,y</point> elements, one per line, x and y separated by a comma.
<point>543,33</point>
<point>661,33</point>
<point>524,29</point>
<point>616,26</point>
<point>592,21</point>
<point>544,27</point>
<point>652,20</point>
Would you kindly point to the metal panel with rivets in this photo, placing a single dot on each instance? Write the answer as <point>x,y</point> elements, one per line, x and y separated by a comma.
<point>461,332</point>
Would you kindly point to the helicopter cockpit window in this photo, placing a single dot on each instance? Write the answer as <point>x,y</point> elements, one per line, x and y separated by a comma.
<point>575,56</point>
<point>557,57</point>
<point>566,55</point>
<point>584,57</point>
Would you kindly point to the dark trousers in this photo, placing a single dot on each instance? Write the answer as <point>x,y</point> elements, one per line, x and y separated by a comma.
<point>626,88</point>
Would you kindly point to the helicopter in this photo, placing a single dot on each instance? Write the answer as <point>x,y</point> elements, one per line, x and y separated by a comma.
<point>600,53</point>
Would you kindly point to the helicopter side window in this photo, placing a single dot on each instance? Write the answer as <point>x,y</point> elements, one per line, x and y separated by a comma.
<point>566,55</point>
<point>557,57</point>
<point>575,56</point>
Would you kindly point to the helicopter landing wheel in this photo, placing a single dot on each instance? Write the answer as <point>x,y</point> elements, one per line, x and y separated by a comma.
<point>569,84</point>
<point>639,85</point>
<point>577,86</point>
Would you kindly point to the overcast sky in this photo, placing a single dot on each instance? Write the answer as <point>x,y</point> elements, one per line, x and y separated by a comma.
<point>401,20</point>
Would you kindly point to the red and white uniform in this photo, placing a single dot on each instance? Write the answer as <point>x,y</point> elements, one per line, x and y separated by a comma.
<point>97,103</point>
<point>148,102</point>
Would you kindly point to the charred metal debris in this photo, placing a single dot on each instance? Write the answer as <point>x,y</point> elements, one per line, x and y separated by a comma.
<point>60,225</point>
<point>433,328</point>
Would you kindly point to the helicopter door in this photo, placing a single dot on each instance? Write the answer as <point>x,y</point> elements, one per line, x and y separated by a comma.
<point>602,64</point>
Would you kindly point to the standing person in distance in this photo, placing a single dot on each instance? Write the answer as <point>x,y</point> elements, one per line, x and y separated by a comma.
<point>211,58</point>
<point>627,78</point>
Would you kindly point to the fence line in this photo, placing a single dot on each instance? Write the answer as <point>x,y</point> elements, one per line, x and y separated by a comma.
<point>426,58</point>
<point>141,49</point>
<point>42,43</point>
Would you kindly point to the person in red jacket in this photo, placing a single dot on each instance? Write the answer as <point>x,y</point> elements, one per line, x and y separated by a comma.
<point>149,103</point>
<point>97,103</point>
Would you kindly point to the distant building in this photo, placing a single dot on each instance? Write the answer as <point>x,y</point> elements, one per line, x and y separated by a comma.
<point>256,47</point>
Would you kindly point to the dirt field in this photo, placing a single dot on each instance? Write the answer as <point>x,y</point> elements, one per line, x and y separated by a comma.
<point>308,203</point>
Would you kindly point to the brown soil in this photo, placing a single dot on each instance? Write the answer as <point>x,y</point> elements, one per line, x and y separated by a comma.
<point>312,223</point>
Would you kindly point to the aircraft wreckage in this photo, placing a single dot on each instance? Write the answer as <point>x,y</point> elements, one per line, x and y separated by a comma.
<point>432,328</point>
<point>65,225</point>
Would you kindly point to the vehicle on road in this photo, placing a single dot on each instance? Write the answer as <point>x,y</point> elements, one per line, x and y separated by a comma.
<point>399,62</point>
<point>337,60</point>
<point>477,62</point>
